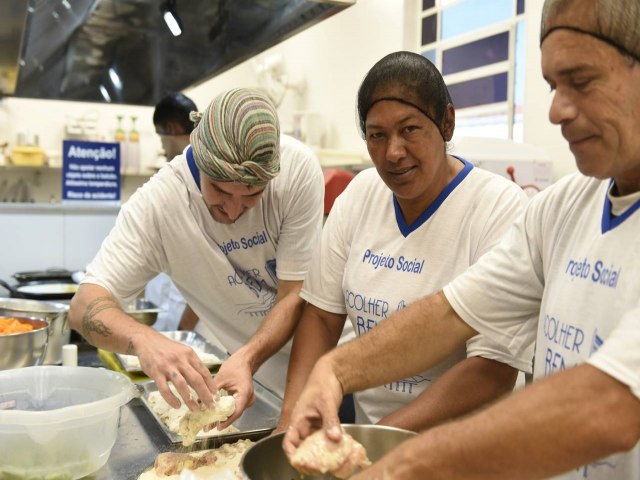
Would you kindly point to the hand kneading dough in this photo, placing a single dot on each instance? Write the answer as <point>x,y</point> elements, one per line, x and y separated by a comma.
<point>317,454</point>
<point>193,422</point>
<point>172,417</point>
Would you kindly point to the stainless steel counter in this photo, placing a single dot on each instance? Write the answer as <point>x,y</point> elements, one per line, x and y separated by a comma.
<point>140,437</point>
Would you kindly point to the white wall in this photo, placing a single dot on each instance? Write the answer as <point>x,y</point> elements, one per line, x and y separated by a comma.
<point>50,236</point>
<point>332,57</point>
<point>538,130</point>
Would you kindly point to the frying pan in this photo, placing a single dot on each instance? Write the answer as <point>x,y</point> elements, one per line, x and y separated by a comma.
<point>39,290</point>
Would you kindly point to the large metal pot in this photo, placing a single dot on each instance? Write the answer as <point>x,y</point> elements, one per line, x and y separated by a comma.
<point>267,461</point>
<point>54,313</point>
<point>24,349</point>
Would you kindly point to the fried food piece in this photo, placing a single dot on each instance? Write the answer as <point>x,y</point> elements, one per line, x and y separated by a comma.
<point>221,463</point>
<point>317,454</point>
<point>171,463</point>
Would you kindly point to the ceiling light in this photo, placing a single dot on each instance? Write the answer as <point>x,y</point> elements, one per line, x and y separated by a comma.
<point>115,79</point>
<point>105,94</point>
<point>171,17</point>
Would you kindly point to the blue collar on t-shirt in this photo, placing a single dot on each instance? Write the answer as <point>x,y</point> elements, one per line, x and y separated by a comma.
<point>431,209</point>
<point>609,221</point>
<point>192,167</point>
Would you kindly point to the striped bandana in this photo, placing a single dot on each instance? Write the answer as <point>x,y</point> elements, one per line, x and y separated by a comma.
<point>237,138</point>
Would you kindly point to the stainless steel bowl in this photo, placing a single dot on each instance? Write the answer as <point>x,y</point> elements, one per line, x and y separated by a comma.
<point>24,349</point>
<point>143,311</point>
<point>266,459</point>
<point>52,312</point>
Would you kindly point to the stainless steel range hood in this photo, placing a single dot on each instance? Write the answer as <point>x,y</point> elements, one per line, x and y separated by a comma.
<point>122,51</point>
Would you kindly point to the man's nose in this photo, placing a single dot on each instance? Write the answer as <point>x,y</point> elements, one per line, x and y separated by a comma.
<point>233,208</point>
<point>562,108</point>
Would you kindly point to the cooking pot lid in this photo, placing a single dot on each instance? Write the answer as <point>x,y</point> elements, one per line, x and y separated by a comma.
<point>10,305</point>
<point>48,274</point>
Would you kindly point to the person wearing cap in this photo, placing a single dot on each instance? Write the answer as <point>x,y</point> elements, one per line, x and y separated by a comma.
<point>433,215</point>
<point>232,221</point>
<point>572,261</point>
<point>173,124</point>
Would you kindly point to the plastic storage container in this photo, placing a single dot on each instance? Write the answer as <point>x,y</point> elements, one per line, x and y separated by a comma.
<point>59,422</point>
<point>30,156</point>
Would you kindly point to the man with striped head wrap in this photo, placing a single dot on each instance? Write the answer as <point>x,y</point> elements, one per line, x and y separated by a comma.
<point>236,149</point>
<point>233,221</point>
<point>565,277</point>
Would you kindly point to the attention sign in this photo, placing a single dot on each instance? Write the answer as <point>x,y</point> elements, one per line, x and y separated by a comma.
<point>90,171</point>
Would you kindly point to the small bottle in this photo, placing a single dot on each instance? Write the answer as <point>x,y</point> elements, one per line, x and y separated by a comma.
<point>121,137</point>
<point>134,135</point>
<point>70,355</point>
<point>133,147</point>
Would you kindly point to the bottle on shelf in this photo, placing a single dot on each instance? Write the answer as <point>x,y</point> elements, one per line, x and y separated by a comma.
<point>120,134</point>
<point>133,147</point>
<point>121,137</point>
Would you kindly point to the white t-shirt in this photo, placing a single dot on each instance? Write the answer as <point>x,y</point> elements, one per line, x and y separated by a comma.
<point>372,264</point>
<point>167,298</point>
<point>574,266</point>
<point>228,274</point>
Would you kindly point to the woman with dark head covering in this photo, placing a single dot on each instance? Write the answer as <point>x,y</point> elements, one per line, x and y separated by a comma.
<point>400,231</point>
<point>406,83</point>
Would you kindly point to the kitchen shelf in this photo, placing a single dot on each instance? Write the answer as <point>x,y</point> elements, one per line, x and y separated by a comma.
<point>330,158</point>
<point>56,169</point>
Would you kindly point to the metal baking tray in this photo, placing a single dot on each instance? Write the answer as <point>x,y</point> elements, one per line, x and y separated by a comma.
<point>187,337</point>
<point>256,422</point>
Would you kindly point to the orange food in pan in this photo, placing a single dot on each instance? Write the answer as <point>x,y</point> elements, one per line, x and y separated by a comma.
<point>10,325</point>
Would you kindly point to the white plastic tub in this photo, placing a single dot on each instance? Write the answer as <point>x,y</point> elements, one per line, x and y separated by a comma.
<point>62,421</point>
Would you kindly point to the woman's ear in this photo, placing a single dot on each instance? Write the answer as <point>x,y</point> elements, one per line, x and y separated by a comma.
<point>449,123</point>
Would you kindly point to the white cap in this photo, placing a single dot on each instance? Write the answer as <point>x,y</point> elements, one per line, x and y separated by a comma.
<point>70,355</point>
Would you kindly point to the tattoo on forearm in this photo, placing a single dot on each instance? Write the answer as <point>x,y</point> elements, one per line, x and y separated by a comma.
<point>130,349</point>
<point>91,324</point>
